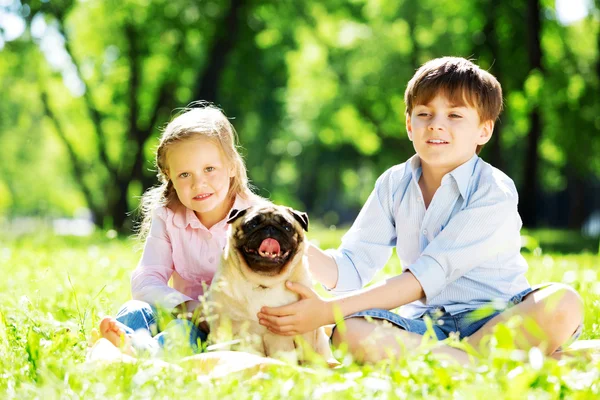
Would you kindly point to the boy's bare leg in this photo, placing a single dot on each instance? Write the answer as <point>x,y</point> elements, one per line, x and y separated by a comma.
<point>556,310</point>
<point>109,329</point>
<point>372,341</point>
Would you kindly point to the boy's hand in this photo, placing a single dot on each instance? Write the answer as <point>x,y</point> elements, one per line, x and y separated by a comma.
<point>305,315</point>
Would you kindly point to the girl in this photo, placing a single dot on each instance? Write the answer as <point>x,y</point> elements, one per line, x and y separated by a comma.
<point>202,178</point>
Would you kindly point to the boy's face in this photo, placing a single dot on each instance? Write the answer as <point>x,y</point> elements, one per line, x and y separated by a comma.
<point>446,135</point>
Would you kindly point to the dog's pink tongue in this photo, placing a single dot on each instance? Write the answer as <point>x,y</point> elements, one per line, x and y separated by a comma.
<point>270,245</point>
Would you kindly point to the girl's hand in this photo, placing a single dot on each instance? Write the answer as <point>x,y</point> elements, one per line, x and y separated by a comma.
<point>305,315</point>
<point>192,310</point>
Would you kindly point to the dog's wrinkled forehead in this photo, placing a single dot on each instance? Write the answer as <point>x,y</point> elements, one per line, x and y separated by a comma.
<point>266,214</point>
<point>257,215</point>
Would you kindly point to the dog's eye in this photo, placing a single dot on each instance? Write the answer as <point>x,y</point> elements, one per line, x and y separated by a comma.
<point>288,228</point>
<point>253,225</point>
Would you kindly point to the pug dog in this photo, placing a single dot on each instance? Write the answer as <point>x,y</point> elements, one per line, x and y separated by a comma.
<point>265,248</point>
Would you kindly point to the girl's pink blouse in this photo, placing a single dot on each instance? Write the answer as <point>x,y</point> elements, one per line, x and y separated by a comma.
<point>179,247</point>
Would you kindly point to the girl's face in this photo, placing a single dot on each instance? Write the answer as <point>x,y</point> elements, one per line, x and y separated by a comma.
<point>201,176</point>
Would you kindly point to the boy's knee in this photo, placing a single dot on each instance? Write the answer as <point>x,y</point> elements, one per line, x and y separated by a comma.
<point>354,334</point>
<point>571,302</point>
<point>564,305</point>
<point>566,298</point>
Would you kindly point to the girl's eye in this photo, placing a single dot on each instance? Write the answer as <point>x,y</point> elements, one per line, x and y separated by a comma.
<point>209,169</point>
<point>184,175</point>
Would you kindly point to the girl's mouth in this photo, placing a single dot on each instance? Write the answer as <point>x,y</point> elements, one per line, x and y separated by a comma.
<point>201,197</point>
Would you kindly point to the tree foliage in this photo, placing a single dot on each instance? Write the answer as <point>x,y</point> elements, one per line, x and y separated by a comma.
<point>315,89</point>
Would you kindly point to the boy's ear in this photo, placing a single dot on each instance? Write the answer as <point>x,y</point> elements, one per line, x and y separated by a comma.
<point>487,128</point>
<point>409,127</point>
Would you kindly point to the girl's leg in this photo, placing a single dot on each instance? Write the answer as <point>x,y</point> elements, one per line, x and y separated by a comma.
<point>557,311</point>
<point>182,330</point>
<point>132,329</point>
<point>135,315</point>
<point>372,341</point>
<point>111,330</point>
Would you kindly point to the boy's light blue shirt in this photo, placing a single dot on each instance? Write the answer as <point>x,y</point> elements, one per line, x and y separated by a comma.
<point>464,249</point>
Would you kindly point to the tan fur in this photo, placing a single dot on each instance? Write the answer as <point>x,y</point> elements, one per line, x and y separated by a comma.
<point>238,293</point>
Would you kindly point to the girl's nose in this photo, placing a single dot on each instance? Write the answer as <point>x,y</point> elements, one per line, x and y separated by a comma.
<point>199,181</point>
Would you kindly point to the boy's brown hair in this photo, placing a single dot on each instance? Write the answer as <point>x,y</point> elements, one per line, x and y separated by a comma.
<point>461,82</point>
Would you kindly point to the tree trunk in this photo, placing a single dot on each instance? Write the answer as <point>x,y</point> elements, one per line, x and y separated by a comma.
<point>576,191</point>
<point>491,45</point>
<point>529,191</point>
<point>224,42</point>
<point>120,208</point>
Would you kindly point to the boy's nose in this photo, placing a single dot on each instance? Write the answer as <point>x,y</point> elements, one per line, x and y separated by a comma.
<point>435,124</point>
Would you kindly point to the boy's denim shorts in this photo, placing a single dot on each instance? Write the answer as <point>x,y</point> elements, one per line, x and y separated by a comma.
<point>444,324</point>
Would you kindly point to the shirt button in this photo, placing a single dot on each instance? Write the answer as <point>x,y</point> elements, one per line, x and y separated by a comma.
<point>425,232</point>
<point>211,260</point>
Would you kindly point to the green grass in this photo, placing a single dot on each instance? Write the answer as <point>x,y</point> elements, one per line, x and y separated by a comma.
<point>563,241</point>
<point>54,290</point>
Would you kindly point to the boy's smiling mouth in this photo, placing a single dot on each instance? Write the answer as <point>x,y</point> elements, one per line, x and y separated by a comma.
<point>436,141</point>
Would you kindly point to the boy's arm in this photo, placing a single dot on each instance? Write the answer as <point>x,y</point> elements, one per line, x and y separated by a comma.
<point>387,295</point>
<point>365,248</point>
<point>311,311</point>
<point>322,266</point>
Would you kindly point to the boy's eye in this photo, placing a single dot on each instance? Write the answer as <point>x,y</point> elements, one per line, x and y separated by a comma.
<point>423,114</point>
<point>184,175</point>
<point>455,116</point>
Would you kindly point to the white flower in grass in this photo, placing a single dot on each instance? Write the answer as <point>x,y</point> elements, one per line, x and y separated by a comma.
<point>536,358</point>
<point>569,277</point>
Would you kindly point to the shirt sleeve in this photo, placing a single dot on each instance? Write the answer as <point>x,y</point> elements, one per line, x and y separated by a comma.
<point>368,245</point>
<point>149,281</point>
<point>488,226</point>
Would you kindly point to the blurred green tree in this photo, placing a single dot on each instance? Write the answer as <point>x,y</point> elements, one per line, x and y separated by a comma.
<point>316,90</point>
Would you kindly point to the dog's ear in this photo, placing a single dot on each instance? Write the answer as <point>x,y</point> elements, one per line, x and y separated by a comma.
<point>235,214</point>
<point>301,217</point>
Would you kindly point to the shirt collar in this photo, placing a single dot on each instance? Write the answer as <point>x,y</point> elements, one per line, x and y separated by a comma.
<point>461,174</point>
<point>184,217</point>
<point>238,204</point>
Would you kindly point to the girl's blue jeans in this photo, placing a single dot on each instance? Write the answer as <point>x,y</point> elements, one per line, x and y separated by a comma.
<point>139,320</point>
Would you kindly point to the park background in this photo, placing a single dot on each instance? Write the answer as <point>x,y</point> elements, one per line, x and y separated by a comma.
<point>315,90</point>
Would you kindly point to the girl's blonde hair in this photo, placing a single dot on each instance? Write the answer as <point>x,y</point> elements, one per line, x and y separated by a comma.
<point>207,121</point>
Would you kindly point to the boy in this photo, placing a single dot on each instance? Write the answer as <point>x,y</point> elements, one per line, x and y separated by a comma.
<point>453,219</point>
